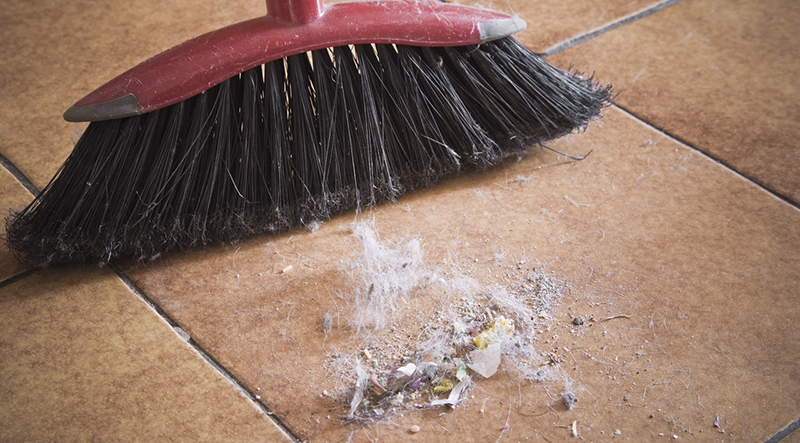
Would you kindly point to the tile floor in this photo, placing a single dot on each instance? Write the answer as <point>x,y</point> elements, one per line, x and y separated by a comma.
<point>679,237</point>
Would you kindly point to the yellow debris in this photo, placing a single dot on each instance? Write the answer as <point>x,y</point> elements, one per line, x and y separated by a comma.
<point>444,386</point>
<point>496,333</point>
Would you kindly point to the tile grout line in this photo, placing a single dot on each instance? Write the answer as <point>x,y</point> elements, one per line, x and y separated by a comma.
<point>199,349</point>
<point>22,178</point>
<point>18,277</point>
<point>783,433</point>
<point>24,181</point>
<point>708,155</point>
<point>582,38</point>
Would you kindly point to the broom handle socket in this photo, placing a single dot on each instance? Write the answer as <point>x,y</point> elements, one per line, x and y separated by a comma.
<point>295,11</point>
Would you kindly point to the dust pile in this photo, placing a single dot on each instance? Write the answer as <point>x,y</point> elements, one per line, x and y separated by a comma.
<point>420,337</point>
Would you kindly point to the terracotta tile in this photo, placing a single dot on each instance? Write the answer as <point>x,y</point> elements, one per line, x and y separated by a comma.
<point>84,359</point>
<point>13,196</point>
<point>553,22</point>
<point>701,263</point>
<point>718,74</point>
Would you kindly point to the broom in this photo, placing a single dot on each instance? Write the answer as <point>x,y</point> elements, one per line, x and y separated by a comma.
<point>289,118</point>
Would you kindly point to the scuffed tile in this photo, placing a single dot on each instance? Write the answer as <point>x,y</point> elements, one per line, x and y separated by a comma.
<point>13,197</point>
<point>719,74</point>
<point>685,275</point>
<point>83,359</point>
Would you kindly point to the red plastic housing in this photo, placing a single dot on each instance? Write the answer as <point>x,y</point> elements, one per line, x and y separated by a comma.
<point>291,27</point>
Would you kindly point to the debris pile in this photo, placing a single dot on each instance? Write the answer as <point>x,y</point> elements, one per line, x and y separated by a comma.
<point>409,358</point>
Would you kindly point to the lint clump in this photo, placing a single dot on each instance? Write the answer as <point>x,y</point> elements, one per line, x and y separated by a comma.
<point>383,273</point>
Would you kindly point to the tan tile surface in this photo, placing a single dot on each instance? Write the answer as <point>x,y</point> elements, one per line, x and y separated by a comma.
<point>83,359</point>
<point>703,263</point>
<point>55,53</point>
<point>13,196</point>
<point>719,74</point>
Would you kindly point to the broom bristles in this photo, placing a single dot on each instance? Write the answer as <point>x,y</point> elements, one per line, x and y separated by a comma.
<point>294,141</point>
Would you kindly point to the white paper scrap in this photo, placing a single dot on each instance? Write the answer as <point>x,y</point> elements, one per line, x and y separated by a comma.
<point>486,361</point>
<point>408,369</point>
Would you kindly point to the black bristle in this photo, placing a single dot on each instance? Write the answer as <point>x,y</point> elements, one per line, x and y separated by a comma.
<point>295,140</point>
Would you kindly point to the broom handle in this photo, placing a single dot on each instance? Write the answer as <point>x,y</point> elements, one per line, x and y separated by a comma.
<point>295,11</point>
